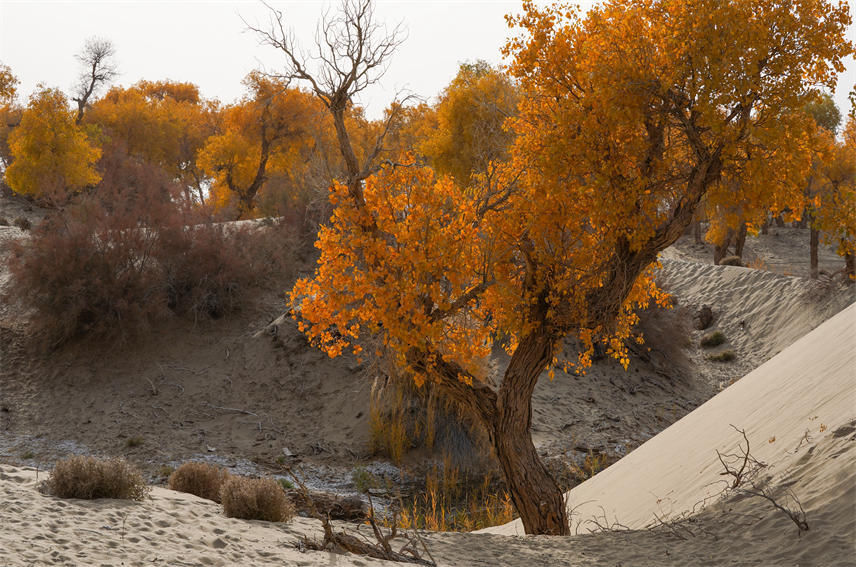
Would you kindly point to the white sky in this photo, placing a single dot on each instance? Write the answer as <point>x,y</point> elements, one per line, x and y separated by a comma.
<point>205,42</point>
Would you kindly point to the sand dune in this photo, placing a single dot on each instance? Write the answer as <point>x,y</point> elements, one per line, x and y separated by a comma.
<point>798,411</point>
<point>805,393</point>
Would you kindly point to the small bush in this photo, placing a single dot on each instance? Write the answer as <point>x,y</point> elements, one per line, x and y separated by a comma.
<point>724,356</point>
<point>364,480</point>
<point>201,479</point>
<point>4,221</point>
<point>255,499</point>
<point>90,478</point>
<point>134,442</point>
<point>23,223</point>
<point>713,339</point>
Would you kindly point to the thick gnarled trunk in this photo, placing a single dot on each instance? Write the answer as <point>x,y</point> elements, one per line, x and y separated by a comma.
<point>536,496</point>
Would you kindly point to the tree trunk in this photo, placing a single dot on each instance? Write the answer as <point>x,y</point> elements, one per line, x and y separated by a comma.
<point>813,246</point>
<point>765,228</point>
<point>535,494</point>
<point>850,268</point>
<point>741,241</point>
<point>780,220</point>
<point>697,232</point>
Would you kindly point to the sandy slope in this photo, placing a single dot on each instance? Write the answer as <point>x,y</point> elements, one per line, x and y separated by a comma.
<point>803,394</point>
<point>807,388</point>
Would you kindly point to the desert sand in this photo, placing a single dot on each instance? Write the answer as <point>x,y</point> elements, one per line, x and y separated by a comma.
<point>248,390</point>
<point>798,410</point>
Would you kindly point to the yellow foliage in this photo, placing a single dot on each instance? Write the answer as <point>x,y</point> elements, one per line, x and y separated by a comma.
<point>51,154</point>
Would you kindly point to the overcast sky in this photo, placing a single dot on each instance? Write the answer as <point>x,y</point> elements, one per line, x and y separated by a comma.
<point>206,42</point>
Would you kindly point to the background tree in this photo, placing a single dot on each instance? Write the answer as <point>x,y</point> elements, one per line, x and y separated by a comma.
<point>98,69</point>
<point>351,52</point>
<point>51,154</point>
<point>264,132</point>
<point>471,115</point>
<point>827,118</point>
<point>10,112</point>
<point>835,204</point>
<point>434,273</point>
<point>163,123</point>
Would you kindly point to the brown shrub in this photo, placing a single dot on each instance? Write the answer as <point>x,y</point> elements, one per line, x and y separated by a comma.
<point>90,478</point>
<point>83,275</point>
<point>112,263</point>
<point>255,499</point>
<point>202,479</point>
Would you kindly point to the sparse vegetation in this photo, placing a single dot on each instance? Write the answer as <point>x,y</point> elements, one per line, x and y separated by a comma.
<point>364,480</point>
<point>133,442</point>
<point>445,506</point>
<point>724,356</point>
<point>202,479</point>
<point>713,339</point>
<point>255,499</point>
<point>90,478</point>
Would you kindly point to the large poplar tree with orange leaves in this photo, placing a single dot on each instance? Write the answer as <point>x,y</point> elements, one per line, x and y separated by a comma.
<point>629,116</point>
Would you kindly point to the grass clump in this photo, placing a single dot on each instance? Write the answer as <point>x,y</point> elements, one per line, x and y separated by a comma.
<point>364,480</point>
<point>134,442</point>
<point>255,499</point>
<point>724,356</point>
<point>201,479</point>
<point>90,478</point>
<point>713,339</point>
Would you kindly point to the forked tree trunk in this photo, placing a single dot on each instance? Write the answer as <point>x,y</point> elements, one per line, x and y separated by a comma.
<point>535,494</point>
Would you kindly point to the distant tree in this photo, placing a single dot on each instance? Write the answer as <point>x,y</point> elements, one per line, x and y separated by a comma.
<point>352,51</point>
<point>164,123</point>
<point>98,69</point>
<point>826,117</point>
<point>51,154</point>
<point>260,134</point>
<point>10,112</point>
<point>835,202</point>
<point>471,114</point>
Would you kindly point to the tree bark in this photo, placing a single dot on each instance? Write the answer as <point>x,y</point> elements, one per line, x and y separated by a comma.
<point>850,268</point>
<point>814,240</point>
<point>697,232</point>
<point>536,496</point>
<point>741,241</point>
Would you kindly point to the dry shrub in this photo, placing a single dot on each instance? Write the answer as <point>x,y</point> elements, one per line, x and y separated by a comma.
<point>452,501</point>
<point>713,339</point>
<point>114,262</point>
<point>201,479</point>
<point>404,416</point>
<point>90,478</point>
<point>255,499</point>
<point>83,275</point>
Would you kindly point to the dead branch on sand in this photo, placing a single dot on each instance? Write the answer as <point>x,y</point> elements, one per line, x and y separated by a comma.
<point>747,474</point>
<point>381,548</point>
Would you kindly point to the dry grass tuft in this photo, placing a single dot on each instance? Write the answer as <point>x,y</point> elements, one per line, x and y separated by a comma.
<point>255,499</point>
<point>713,339</point>
<point>201,479</point>
<point>90,478</point>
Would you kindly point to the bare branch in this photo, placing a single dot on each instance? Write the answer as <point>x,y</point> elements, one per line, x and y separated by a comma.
<point>98,70</point>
